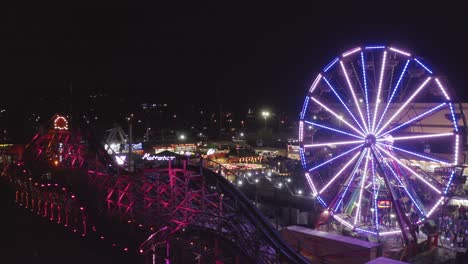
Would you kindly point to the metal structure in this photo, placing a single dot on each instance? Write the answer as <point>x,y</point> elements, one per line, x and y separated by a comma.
<point>115,140</point>
<point>380,141</point>
<point>158,213</point>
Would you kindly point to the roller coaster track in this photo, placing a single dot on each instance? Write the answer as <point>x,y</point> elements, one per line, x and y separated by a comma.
<point>71,180</point>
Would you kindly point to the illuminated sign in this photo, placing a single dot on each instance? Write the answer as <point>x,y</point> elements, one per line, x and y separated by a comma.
<point>150,157</point>
<point>60,123</point>
<point>112,148</point>
<point>120,159</point>
<point>250,159</point>
<point>383,204</point>
<point>293,148</point>
<point>210,152</point>
<point>138,146</point>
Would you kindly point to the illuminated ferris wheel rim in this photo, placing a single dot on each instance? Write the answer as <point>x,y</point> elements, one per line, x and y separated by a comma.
<point>370,133</point>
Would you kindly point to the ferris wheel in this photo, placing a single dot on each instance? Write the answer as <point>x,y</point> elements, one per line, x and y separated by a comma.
<point>379,140</point>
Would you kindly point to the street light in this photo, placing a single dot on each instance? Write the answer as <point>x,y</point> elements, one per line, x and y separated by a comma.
<point>265,115</point>
<point>147,133</point>
<point>256,195</point>
<point>130,138</point>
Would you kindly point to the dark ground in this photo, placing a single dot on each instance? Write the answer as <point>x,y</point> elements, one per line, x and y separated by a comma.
<point>28,238</point>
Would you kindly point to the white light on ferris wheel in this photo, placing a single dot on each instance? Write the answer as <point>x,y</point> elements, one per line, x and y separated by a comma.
<point>404,105</point>
<point>354,95</point>
<point>400,51</point>
<point>352,51</point>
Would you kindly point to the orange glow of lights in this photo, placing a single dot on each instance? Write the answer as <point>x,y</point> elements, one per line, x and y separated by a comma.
<point>383,204</point>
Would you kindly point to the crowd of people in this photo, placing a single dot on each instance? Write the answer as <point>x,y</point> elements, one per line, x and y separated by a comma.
<point>453,228</point>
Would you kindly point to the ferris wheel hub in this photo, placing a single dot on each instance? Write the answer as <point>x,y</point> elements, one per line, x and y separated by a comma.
<point>370,140</point>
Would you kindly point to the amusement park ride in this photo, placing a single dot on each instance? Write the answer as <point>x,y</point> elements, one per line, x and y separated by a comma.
<point>364,129</point>
<point>175,213</point>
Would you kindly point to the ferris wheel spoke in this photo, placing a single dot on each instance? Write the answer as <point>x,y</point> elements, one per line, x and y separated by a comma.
<point>337,116</point>
<point>393,94</point>
<point>332,129</point>
<point>342,221</point>
<point>344,189</point>
<point>340,172</point>
<point>424,156</point>
<point>342,102</point>
<point>409,169</point>
<point>418,136</point>
<point>375,194</point>
<point>404,186</point>
<point>415,119</point>
<point>365,88</point>
<point>334,143</point>
<point>441,199</point>
<point>354,96</point>
<point>337,157</point>
<point>379,89</point>
<point>410,99</point>
<point>363,180</point>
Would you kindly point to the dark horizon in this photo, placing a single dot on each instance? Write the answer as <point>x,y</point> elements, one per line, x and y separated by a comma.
<point>237,57</point>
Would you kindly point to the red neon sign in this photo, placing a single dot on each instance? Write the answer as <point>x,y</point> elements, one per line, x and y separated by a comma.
<point>383,204</point>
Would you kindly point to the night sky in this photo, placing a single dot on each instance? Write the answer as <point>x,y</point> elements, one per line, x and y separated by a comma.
<point>241,55</point>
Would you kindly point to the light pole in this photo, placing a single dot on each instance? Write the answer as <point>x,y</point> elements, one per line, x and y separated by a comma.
<point>147,133</point>
<point>130,136</point>
<point>256,197</point>
<point>275,209</point>
<point>265,115</point>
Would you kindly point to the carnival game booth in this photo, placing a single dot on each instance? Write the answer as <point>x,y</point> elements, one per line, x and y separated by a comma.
<point>234,167</point>
<point>180,148</point>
